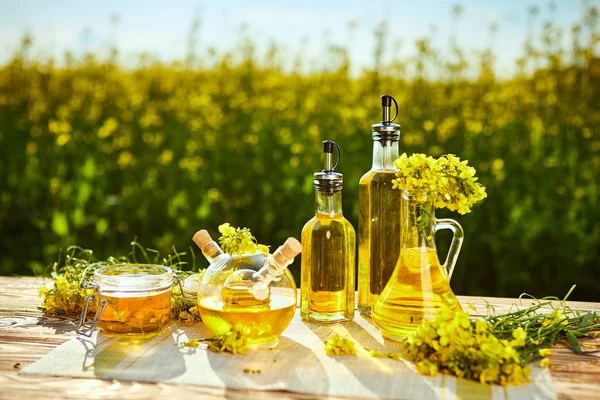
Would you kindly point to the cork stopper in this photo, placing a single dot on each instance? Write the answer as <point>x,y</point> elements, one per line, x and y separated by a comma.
<point>208,246</point>
<point>286,252</point>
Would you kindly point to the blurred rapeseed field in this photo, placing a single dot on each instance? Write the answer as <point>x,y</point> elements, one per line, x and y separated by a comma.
<point>95,154</point>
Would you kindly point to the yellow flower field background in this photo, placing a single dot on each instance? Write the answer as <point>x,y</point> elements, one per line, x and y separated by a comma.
<point>95,153</point>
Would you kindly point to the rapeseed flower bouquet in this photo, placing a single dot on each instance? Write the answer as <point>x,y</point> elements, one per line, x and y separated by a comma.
<point>450,181</point>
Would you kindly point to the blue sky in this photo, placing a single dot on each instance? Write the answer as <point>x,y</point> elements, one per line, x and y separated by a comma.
<point>161,27</point>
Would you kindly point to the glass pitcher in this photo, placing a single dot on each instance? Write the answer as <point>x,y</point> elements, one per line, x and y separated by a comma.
<point>419,285</point>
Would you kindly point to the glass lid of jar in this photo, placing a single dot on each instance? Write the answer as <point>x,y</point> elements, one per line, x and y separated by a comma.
<point>133,277</point>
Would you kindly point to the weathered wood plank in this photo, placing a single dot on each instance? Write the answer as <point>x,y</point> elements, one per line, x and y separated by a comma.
<point>25,386</point>
<point>26,335</point>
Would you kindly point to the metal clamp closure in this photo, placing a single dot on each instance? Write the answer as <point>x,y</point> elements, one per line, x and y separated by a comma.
<point>84,328</point>
<point>178,279</point>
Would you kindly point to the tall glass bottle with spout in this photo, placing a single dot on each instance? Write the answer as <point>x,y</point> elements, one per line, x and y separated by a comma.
<point>328,251</point>
<point>379,212</point>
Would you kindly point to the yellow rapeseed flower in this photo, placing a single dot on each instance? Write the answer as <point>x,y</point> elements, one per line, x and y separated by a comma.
<point>65,298</point>
<point>166,157</point>
<point>520,335</point>
<point>545,362</point>
<point>108,128</point>
<point>544,352</point>
<point>378,354</point>
<point>452,344</point>
<point>239,240</point>
<point>234,341</point>
<point>453,180</point>
<point>125,159</point>
<point>339,346</point>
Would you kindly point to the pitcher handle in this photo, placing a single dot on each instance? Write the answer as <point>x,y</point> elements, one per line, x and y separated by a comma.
<point>457,239</point>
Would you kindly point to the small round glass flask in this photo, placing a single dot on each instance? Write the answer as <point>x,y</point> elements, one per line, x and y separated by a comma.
<point>254,290</point>
<point>130,299</point>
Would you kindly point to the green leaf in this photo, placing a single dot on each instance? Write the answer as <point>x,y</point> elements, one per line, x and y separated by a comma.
<point>83,193</point>
<point>38,268</point>
<point>78,217</point>
<point>586,319</point>
<point>178,202</point>
<point>101,226</point>
<point>203,209</point>
<point>89,168</point>
<point>60,225</point>
<point>573,342</point>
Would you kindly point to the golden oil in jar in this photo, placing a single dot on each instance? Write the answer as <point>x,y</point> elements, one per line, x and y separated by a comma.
<point>240,294</point>
<point>417,290</point>
<point>133,299</point>
<point>264,321</point>
<point>261,296</point>
<point>136,314</point>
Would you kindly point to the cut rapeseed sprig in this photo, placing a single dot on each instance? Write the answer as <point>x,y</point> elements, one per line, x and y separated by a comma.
<point>497,349</point>
<point>452,344</point>
<point>234,341</point>
<point>339,346</point>
<point>239,240</point>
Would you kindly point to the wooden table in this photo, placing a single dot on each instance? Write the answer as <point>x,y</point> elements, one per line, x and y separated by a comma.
<point>26,335</point>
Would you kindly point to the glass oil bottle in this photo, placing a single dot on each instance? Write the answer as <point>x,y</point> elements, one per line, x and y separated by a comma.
<point>262,300</point>
<point>379,212</point>
<point>328,251</point>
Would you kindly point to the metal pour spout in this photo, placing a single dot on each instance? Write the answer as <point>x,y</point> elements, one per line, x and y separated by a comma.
<point>386,105</point>
<point>328,160</point>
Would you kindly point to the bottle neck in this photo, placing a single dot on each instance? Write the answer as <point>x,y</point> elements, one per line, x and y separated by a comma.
<point>271,270</point>
<point>274,266</point>
<point>214,253</point>
<point>385,152</point>
<point>418,219</point>
<point>327,203</point>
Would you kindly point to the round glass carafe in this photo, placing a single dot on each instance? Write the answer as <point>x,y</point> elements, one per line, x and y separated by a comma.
<point>266,321</point>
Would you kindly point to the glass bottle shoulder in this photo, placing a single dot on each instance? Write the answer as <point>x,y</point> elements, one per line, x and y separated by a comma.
<point>377,177</point>
<point>333,223</point>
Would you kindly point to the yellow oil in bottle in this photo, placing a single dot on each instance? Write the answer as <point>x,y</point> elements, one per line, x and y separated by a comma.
<point>125,315</point>
<point>328,262</point>
<point>416,291</point>
<point>378,235</point>
<point>266,322</point>
<point>239,294</point>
